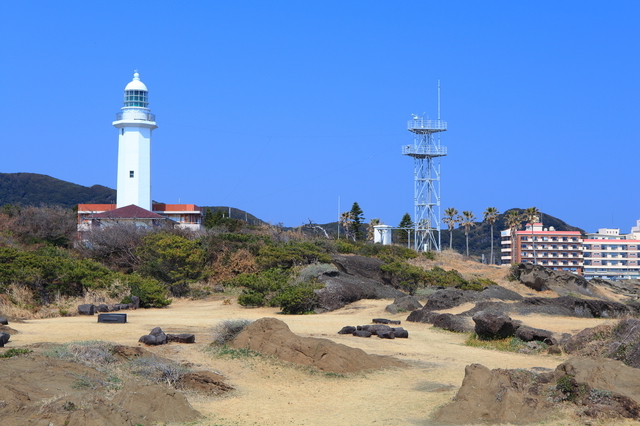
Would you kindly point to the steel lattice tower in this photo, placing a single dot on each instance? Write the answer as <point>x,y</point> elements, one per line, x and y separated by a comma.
<point>426,152</point>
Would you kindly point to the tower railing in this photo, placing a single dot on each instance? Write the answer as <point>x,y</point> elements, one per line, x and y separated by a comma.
<point>420,125</point>
<point>427,151</point>
<point>135,115</point>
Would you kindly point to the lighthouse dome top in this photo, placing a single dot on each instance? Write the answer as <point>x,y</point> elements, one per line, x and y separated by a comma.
<point>136,84</point>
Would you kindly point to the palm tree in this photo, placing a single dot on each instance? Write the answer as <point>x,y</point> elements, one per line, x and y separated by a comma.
<point>346,221</point>
<point>468,220</point>
<point>450,219</point>
<point>371,236</point>
<point>490,216</point>
<point>514,220</point>
<point>532,214</point>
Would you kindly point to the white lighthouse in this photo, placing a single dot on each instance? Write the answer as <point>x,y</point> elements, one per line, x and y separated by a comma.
<point>135,124</point>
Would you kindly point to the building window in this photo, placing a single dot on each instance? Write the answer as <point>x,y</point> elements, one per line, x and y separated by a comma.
<point>131,173</point>
<point>122,131</point>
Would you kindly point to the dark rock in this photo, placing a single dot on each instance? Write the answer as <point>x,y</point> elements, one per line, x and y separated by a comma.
<point>115,307</point>
<point>384,321</point>
<point>452,322</point>
<point>102,308</point>
<point>404,303</point>
<point>500,293</point>
<point>540,278</point>
<point>181,338</point>
<point>4,321</point>
<point>487,306</point>
<point>4,338</point>
<point>554,350</point>
<point>375,328</point>
<point>156,337</point>
<point>529,334</point>
<point>341,289</point>
<point>446,299</point>
<point>490,325</point>
<point>135,301</point>
<point>572,306</point>
<point>362,333</point>
<point>348,329</point>
<point>86,309</point>
<point>423,316</point>
<point>386,334</point>
<point>123,306</point>
<point>359,266</point>
<point>400,333</point>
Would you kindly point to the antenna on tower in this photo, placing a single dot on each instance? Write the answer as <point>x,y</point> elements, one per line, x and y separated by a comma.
<point>438,99</point>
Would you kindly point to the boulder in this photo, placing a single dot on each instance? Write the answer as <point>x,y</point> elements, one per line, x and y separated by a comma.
<point>4,338</point>
<point>156,337</point>
<point>386,334</point>
<point>529,334</point>
<point>490,325</point>
<point>348,329</point>
<point>384,321</point>
<point>4,321</point>
<point>271,336</point>
<point>102,308</point>
<point>340,289</point>
<point>181,338</point>
<point>452,322</point>
<point>86,309</point>
<point>400,333</point>
<point>540,278</point>
<point>375,328</point>
<point>423,316</point>
<point>135,302</point>
<point>359,266</point>
<point>404,303</point>
<point>362,333</point>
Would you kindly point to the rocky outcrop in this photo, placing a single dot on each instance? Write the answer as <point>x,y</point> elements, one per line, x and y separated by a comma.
<point>490,325</point>
<point>591,387</point>
<point>619,341</point>
<point>340,289</point>
<point>451,297</point>
<point>404,303</point>
<point>271,336</point>
<point>540,278</point>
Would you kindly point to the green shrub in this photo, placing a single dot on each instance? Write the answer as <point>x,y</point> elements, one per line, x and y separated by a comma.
<point>251,298</point>
<point>405,276</point>
<point>292,254</point>
<point>171,259</point>
<point>345,247</point>
<point>10,353</point>
<point>298,299</point>
<point>152,294</point>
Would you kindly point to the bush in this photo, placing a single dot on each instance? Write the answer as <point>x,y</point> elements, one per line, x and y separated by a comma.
<point>298,299</point>
<point>171,259</point>
<point>345,247</point>
<point>228,330</point>
<point>292,254</point>
<point>405,276</point>
<point>251,298</point>
<point>152,294</point>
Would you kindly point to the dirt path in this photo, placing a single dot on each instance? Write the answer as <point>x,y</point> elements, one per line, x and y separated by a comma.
<point>271,393</point>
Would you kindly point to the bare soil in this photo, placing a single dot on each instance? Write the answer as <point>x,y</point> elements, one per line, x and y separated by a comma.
<point>271,392</point>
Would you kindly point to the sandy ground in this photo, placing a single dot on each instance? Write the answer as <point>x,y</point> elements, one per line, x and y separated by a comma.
<point>269,392</point>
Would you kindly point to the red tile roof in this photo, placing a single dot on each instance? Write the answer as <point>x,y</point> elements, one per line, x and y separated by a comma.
<point>128,212</point>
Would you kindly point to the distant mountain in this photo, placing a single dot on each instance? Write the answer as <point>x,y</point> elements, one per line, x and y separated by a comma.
<point>35,189</point>
<point>32,189</point>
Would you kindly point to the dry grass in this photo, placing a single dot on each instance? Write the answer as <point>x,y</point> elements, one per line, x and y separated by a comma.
<point>19,302</point>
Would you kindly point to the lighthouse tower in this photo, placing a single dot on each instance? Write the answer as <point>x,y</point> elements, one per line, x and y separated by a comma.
<point>135,124</point>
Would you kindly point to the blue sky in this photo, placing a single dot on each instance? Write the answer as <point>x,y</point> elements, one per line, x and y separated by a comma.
<point>283,108</point>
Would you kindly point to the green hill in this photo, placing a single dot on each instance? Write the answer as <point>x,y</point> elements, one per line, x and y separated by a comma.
<point>35,189</point>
